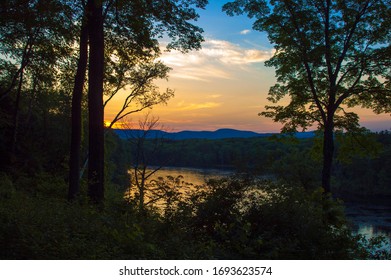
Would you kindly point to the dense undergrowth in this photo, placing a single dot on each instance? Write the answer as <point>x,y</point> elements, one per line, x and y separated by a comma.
<point>235,218</point>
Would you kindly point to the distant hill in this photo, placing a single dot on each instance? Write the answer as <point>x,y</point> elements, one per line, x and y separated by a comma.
<point>218,134</point>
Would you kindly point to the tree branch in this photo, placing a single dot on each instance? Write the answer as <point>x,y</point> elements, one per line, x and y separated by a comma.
<point>304,56</point>
<point>348,39</point>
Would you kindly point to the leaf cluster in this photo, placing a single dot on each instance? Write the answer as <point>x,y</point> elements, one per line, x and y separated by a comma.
<point>328,56</point>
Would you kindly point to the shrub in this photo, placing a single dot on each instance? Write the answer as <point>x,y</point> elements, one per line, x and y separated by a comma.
<point>242,218</point>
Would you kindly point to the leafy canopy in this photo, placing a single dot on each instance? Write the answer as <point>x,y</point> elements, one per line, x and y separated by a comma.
<point>329,56</point>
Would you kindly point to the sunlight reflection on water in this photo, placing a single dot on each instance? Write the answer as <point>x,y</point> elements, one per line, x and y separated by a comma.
<point>371,231</point>
<point>367,221</point>
<point>196,176</point>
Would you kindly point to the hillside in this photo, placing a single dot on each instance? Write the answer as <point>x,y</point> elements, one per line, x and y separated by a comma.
<point>224,133</point>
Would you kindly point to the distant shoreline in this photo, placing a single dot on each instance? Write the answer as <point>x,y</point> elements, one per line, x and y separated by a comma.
<point>224,133</point>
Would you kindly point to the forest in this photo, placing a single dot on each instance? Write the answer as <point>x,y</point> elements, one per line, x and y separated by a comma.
<point>70,188</point>
<point>362,167</point>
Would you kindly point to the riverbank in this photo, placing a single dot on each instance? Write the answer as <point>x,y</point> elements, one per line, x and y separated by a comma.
<point>43,225</point>
<point>370,217</point>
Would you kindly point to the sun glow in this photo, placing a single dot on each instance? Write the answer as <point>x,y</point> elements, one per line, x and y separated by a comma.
<point>225,84</point>
<point>117,125</point>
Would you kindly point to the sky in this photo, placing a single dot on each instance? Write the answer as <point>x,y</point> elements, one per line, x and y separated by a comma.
<point>225,84</point>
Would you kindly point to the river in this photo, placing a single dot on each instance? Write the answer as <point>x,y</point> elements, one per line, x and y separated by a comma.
<point>367,218</point>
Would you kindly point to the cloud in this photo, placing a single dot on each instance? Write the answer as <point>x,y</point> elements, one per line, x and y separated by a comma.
<point>245,31</point>
<point>231,54</point>
<point>197,106</point>
<point>180,103</point>
<point>199,72</point>
<point>216,59</point>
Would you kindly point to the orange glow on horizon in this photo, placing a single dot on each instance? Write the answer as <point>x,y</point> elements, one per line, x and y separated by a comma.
<point>117,125</point>
<point>223,85</point>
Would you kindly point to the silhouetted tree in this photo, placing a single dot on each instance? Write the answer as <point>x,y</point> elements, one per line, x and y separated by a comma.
<point>141,92</point>
<point>142,21</point>
<point>95,21</point>
<point>130,30</point>
<point>141,171</point>
<point>330,55</point>
<point>76,114</point>
<point>35,36</point>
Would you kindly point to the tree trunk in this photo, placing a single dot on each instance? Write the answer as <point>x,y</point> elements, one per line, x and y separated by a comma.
<point>15,124</point>
<point>328,153</point>
<point>95,102</point>
<point>25,61</point>
<point>76,120</point>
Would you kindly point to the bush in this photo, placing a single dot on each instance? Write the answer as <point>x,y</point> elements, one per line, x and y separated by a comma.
<point>243,218</point>
<point>234,218</point>
<point>43,225</point>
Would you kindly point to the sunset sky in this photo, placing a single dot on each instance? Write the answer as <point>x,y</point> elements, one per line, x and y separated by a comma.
<point>225,84</point>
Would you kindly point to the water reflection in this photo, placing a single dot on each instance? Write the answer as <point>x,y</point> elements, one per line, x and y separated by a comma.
<point>370,220</point>
<point>196,176</point>
<point>371,231</point>
<point>163,186</point>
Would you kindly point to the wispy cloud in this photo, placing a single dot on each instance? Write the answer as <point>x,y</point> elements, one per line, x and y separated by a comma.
<point>216,59</point>
<point>197,106</point>
<point>245,31</point>
<point>228,53</point>
<point>199,72</point>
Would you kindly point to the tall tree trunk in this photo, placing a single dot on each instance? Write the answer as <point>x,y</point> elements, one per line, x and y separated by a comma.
<point>95,102</point>
<point>76,120</point>
<point>328,153</point>
<point>15,124</point>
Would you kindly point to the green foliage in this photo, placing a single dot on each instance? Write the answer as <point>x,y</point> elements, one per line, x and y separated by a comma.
<point>329,56</point>
<point>374,248</point>
<point>252,155</point>
<point>243,218</point>
<point>36,49</point>
<point>132,49</point>
<point>363,165</point>
<point>362,159</point>
<point>357,144</point>
<point>44,226</point>
<point>325,57</point>
<point>233,218</point>
<point>117,154</point>
<point>299,167</point>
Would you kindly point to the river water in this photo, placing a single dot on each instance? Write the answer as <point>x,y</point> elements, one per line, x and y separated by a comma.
<point>369,219</point>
